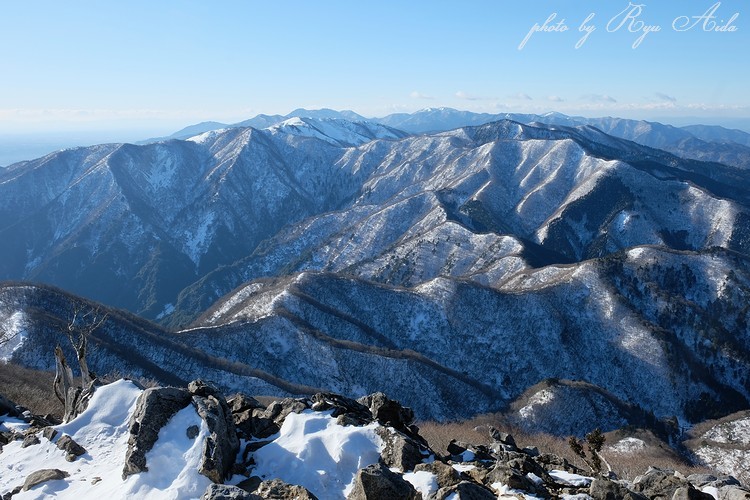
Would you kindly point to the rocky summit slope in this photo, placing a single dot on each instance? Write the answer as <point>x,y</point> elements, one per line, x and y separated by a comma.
<point>171,442</point>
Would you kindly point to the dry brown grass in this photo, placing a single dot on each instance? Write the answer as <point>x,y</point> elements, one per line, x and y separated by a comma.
<point>33,388</point>
<point>142,381</point>
<point>625,465</point>
<point>29,388</point>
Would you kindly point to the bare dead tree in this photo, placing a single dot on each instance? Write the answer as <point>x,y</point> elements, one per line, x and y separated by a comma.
<point>83,322</point>
<point>63,376</point>
<point>80,327</point>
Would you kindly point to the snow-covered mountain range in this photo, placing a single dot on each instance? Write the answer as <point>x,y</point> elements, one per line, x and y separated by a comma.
<point>702,142</point>
<point>468,264</point>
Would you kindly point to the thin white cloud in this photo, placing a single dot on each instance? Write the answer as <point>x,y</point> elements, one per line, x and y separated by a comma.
<point>420,95</point>
<point>555,98</point>
<point>664,97</point>
<point>522,96</point>
<point>468,97</point>
<point>599,98</point>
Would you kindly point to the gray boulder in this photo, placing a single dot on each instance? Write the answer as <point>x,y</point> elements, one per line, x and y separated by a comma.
<point>30,440</point>
<point>700,480</point>
<point>387,411</point>
<point>8,407</point>
<point>466,491</point>
<point>42,476</point>
<point>153,410</point>
<point>243,402</point>
<point>445,475</point>
<point>658,484</point>
<point>221,445</point>
<point>399,450</point>
<point>347,411</point>
<point>604,489</point>
<point>513,478</point>
<point>376,482</point>
<point>279,490</point>
<point>262,423</point>
<point>49,433</point>
<point>227,492</point>
<point>69,446</point>
<point>733,493</point>
<point>503,438</point>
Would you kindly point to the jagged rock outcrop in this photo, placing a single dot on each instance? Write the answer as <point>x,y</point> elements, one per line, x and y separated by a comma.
<point>467,490</point>
<point>221,445</point>
<point>400,450</point>
<point>155,407</point>
<point>387,411</point>
<point>348,411</point>
<point>260,422</point>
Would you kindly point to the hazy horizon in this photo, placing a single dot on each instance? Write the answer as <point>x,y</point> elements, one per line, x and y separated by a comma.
<point>29,145</point>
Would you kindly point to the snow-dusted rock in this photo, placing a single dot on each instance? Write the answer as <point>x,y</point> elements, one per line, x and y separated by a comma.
<point>227,492</point>
<point>377,481</point>
<point>155,407</point>
<point>221,444</point>
<point>42,476</point>
<point>277,489</point>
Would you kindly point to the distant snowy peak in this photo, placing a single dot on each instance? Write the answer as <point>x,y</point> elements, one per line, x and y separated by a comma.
<point>336,131</point>
<point>206,137</point>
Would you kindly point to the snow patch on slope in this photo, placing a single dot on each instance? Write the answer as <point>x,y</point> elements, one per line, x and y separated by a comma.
<point>333,131</point>
<point>313,451</point>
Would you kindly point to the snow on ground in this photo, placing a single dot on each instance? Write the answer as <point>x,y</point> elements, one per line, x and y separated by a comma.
<point>505,491</point>
<point>103,431</point>
<point>423,481</point>
<point>313,451</point>
<point>564,477</point>
<point>12,424</point>
<point>173,462</point>
<point>464,467</point>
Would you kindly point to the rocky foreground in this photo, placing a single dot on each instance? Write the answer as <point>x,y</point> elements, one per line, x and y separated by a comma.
<point>168,442</point>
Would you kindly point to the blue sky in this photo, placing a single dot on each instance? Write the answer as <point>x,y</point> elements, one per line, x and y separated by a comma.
<point>160,65</point>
